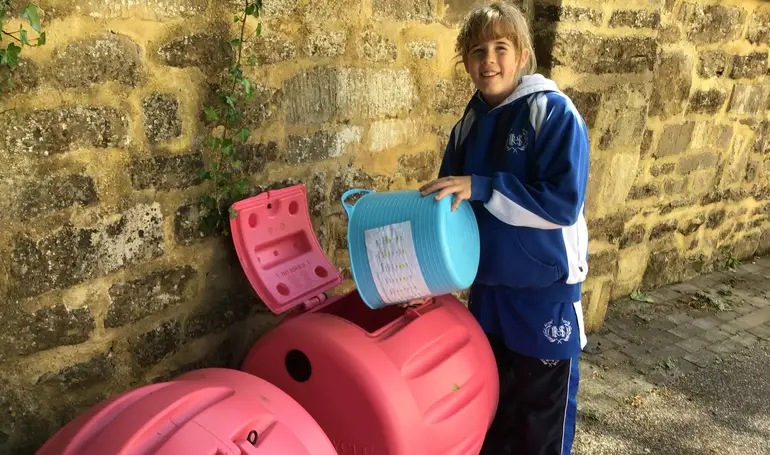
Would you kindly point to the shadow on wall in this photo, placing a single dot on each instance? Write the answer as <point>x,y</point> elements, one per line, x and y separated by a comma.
<point>543,17</point>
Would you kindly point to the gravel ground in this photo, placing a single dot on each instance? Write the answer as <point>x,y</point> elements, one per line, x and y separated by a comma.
<point>721,409</point>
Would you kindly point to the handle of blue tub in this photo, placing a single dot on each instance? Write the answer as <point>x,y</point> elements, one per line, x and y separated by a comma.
<point>347,194</point>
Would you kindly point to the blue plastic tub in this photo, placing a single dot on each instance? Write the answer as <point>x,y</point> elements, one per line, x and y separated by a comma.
<point>404,246</point>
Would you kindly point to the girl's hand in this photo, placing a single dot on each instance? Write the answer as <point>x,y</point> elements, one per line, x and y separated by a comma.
<point>459,186</point>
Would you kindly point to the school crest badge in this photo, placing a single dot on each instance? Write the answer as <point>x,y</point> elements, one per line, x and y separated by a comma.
<point>558,334</point>
<point>517,142</point>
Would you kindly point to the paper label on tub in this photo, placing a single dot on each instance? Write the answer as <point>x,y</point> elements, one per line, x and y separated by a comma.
<point>393,262</point>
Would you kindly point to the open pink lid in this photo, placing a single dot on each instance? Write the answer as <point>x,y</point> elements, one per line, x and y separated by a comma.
<point>279,251</point>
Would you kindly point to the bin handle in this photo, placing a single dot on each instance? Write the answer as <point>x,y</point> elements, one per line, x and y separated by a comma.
<point>347,194</point>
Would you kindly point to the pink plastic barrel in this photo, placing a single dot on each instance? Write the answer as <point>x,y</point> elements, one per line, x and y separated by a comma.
<point>205,412</point>
<point>392,381</point>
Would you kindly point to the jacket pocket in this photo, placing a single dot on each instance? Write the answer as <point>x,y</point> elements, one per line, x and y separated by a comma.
<point>506,261</point>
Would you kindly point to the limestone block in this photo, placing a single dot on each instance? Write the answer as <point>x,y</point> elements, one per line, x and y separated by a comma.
<point>160,117</point>
<point>323,93</point>
<point>164,172</point>
<point>707,101</point>
<point>746,99</point>
<point>98,59</point>
<point>671,85</point>
<point>55,192</point>
<point>69,256</point>
<point>585,52</point>
<point>709,24</point>
<point>635,19</point>
<point>134,300</point>
<point>321,145</point>
<point>59,130</point>
<point>23,333</point>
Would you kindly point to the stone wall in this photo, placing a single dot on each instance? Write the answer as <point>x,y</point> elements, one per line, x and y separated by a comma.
<point>106,282</point>
<point>676,95</point>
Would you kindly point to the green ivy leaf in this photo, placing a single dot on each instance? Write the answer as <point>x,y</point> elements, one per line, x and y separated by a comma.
<point>30,14</point>
<point>253,9</point>
<point>234,117</point>
<point>227,147</point>
<point>247,87</point>
<point>259,29</point>
<point>236,72</point>
<point>244,134</point>
<point>41,39</point>
<point>236,19</point>
<point>236,42</point>
<point>238,189</point>
<point>11,84</point>
<point>237,165</point>
<point>211,114</point>
<point>10,56</point>
<point>215,142</point>
<point>233,213</point>
<point>23,36</point>
<point>640,296</point>
<point>208,202</point>
<point>213,165</point>
<point>204,174</point>
<point>228,99</point>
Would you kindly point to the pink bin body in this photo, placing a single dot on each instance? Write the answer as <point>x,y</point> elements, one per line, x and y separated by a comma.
<point>392,381</point>
<point>212,411</point>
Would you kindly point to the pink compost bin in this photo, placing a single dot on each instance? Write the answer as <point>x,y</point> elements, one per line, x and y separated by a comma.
<point>211,411</point>
<point>400,380</point>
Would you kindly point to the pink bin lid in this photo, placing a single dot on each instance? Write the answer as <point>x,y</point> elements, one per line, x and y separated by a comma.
<point>279,251</point>
<point>212,411</point>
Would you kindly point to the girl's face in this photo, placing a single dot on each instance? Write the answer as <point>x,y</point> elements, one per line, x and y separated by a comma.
<point>494,67</point>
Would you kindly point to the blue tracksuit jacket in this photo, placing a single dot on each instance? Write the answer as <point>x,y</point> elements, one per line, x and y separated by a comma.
<point>528,159</point>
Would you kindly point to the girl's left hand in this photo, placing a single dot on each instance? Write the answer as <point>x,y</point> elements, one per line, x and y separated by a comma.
<point>459,186</point>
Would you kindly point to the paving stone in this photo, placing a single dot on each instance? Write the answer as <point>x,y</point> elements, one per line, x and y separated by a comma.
<point>665,294</point>
<point>729,328</point>
<point>692,345</point>
<point>602,404</point>
<point>635,350</point>
<point>725,347</point>
<point>752,268</point>
<point>763,332</point>
<point>620,326</point>
<point>744,309</point>
<point>673,370</point>
<point>672,352</point>
<point>601,344</point>
<point>707,323</point>
<point>679,318</point>
<point>686,332</point>
<point>715,335</point>
<point>685,288</point>
<point>615,339</point>
<point>702,358</point>
<point>685,366</point>
<point>663,338</point>
<point>745,339</point>
<point>752,319</point>
<point>662,324</point>
<point>612,358</point>
<point>758,301</point>
<point>727,316</point>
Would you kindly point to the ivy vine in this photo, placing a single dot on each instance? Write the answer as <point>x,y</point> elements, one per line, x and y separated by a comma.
<point>225,170</point>
<point>17,39</point>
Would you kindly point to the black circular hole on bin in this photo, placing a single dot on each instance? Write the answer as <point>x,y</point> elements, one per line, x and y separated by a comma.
<point>298,365</point>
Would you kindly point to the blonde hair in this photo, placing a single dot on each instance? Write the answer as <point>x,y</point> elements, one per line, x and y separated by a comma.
<point>495,21</point>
